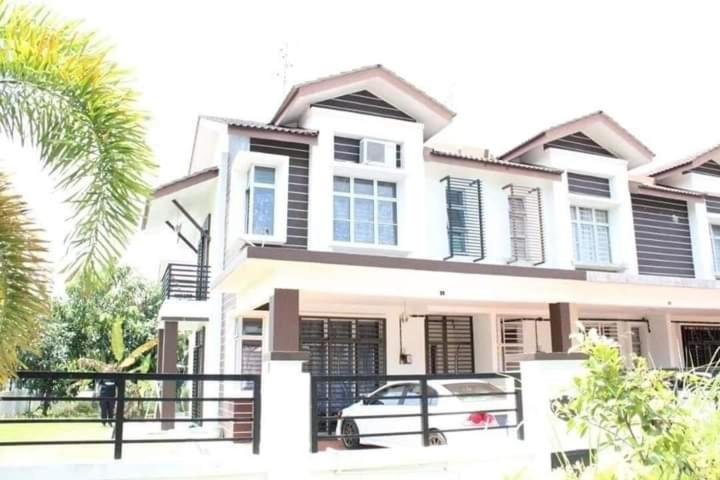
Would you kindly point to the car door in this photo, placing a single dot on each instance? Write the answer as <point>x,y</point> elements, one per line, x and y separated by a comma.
<point>384,403</point>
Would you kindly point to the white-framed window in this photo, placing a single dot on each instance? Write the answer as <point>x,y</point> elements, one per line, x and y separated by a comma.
<point>365,211</point>
<point>591,235</point>
<point>259,194</point>
<point>260,200</point>
<point>248,345</point>
<point>715,234</point>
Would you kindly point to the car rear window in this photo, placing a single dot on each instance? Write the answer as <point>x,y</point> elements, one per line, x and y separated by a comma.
<point>467,389</point>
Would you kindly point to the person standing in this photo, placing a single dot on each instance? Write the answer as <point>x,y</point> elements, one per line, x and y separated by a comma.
<point>108,390</point>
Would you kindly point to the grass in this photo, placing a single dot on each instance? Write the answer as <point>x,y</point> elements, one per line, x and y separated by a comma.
<point>53,432</point>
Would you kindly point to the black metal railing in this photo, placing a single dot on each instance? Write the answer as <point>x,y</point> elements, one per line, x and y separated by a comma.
<point>186,281</point>
<point>249,419</point>
<point>426,393</point>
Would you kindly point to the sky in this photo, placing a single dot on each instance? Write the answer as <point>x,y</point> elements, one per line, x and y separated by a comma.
<point>509,69</point>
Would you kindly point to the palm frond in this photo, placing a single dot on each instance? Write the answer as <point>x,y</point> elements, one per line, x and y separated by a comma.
<point>23,280</point>
<point>60,91</point>
<point>137,353</point>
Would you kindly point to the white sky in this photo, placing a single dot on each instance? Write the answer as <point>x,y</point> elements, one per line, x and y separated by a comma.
<point>509,69</point>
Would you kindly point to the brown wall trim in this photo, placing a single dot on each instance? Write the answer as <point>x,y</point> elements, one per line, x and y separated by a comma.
<point>186,182</point>
<point>378,261</point>
<point>290,356</point>
<point>560,326</point>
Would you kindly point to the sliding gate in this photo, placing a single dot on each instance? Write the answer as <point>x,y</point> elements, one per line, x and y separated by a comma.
<point>342,346</point>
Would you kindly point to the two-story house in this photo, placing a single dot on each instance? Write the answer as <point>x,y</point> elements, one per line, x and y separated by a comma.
<point>337,233</point>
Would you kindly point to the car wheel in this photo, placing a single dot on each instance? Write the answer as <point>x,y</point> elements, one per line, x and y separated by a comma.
<point>350,433</point>
<point>436,438</point>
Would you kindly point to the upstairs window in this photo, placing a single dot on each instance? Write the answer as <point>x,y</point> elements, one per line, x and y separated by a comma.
<point>527,236</point>
<point>715,232</point>
<point>364,211</point>
<point>591,235</point>
<point>260,201</point>
<point>466,236</point>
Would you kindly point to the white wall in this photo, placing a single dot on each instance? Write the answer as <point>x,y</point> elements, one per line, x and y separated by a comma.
<point>495,206</point>
<point>409,179</point>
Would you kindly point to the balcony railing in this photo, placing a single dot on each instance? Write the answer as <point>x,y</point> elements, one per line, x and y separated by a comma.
<point>186,281</point>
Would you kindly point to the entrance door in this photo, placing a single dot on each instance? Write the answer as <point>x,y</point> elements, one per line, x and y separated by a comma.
<point>700,344</point>
<point>449,344</point>
<point>343,346</point>
<point>198,368</point>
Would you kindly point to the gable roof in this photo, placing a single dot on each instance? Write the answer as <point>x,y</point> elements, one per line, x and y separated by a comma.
<point>599,122</point>
<point>493,162</point>
<point>687,164</point>
<point>376,79</point>
<point>249,124</point>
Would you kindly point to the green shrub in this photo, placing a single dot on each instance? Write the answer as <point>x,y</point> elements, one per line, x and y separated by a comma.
<point>646,423</point>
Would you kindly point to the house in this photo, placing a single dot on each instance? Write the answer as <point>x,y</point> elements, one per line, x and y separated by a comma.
<point>338,234</point>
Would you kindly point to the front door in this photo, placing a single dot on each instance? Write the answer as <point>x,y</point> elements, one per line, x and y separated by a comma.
<point>700,345</point>
<point>449,344</point>
<point>343,346</point>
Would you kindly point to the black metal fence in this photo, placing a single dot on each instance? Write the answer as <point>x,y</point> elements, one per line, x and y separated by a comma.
<point>119,400</point>
<point>186,281</point>
<point>476,402</point>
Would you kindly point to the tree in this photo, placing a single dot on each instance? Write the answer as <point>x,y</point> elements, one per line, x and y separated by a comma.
<point>90,313</point>
<point>60,92</point>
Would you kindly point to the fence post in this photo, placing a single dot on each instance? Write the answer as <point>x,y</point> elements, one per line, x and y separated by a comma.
<point>257,403</point>
<point>119,418</point>
<point>313,416</point>
<point>519,417</point>
<point>424,420</point>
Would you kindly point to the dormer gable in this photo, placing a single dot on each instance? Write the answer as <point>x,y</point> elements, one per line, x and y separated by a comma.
<point>596,133</point>
<point>373,90</point>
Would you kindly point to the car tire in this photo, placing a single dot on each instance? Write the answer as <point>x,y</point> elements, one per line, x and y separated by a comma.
<point>350,434</point>
<point>436,438</point>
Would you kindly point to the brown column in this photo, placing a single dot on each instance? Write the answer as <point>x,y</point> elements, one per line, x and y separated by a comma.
<point>285,325</point>
<point>169,365</point>
<point>562,321</point>
<point>161,340</point>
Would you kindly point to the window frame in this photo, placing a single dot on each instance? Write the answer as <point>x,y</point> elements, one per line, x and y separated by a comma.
<point>239,339</point>
<point>251,185</point>
<point>515,237</point>
<point>715,240</point>
<point>376,198</point>
<point>576,222</point>
<point>241,196</point>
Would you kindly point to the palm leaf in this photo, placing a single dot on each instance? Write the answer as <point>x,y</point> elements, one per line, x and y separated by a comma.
<point>60,92</point>
<point>117,343</point>
<point>137,353</point>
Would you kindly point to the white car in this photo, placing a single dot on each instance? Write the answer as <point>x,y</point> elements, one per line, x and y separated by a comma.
<point>463,411</point>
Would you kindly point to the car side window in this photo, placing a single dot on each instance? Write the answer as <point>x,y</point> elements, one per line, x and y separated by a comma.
<point>412,395</point>
<point>391,395</point>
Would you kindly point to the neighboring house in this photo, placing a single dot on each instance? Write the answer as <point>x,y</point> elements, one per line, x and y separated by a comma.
<point>337,233</point>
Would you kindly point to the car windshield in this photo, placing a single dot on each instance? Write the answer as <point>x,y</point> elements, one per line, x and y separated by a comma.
<point>466,390</point>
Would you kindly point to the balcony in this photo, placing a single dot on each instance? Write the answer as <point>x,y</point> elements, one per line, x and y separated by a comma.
<point>184,281</point>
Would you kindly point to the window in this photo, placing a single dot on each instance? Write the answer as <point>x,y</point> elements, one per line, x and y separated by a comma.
<point>413,394</point>
<point>364,211</point>
<point>456,220</point>
<point>636,341</point>
<point>391,395</point>
<point>591,235</point>
<point>603,328</point>
<point>260,201</point>
<point>248,347</point>
<point>715,232</point>
<point>518,228</point>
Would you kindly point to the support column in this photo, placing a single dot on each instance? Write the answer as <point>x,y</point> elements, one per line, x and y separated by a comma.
<point>283,372</point>
<point>563,318</point>
<point>285,321</point>
<point>169,365</point>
